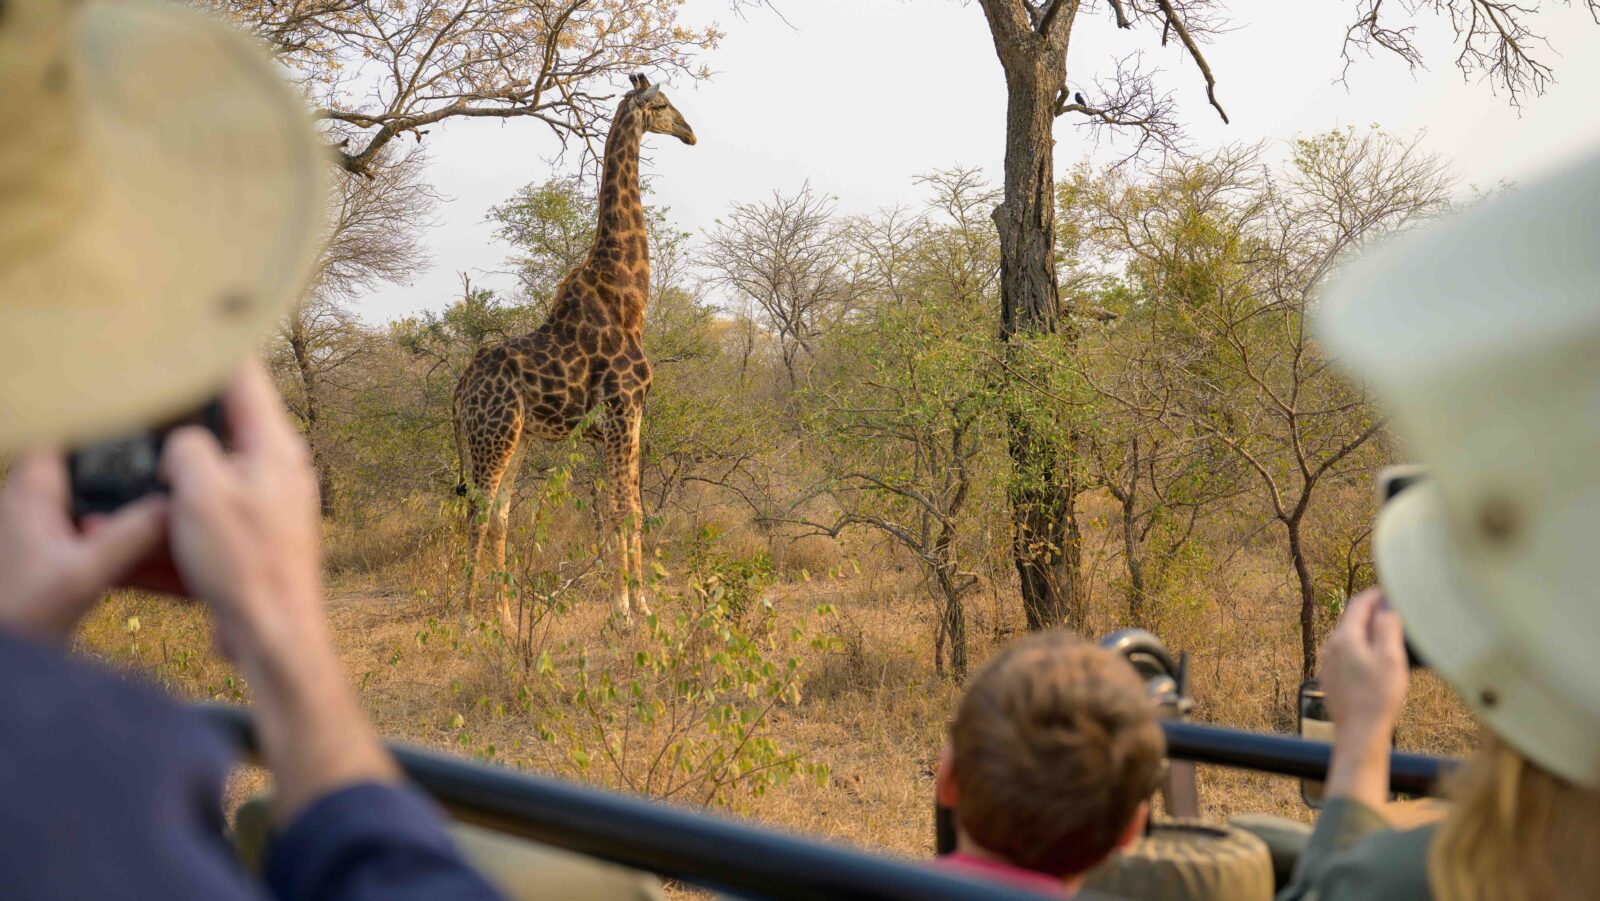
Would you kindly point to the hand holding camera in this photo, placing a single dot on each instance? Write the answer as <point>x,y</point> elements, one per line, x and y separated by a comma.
<point>55,571</point>
<point>1365,675</point>
<point>166,510</point>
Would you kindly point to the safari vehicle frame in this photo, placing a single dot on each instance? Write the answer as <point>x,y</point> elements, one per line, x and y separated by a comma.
<point>748,861</point>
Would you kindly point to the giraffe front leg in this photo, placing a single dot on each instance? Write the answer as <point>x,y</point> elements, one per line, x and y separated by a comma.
<point>501,598</point>
<point>617,552</point>
<point>633,532</point>
<point>616,524</point>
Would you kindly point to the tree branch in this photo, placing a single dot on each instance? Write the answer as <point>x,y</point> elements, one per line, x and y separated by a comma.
<point>1176,23</point>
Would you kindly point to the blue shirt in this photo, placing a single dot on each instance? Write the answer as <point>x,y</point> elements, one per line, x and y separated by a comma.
<point>109,789</point>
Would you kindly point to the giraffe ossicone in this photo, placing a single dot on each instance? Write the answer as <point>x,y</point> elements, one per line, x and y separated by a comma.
<point>586,358</point>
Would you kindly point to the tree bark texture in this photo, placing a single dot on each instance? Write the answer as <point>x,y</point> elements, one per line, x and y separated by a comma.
<point>1308,600</point>
<point>306,370</point>
<point>1045,545</point>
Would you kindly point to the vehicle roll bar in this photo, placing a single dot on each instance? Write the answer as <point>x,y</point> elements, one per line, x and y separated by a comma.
<point>1411,774</point>
<point>710,851</point>
<point>725,855</point>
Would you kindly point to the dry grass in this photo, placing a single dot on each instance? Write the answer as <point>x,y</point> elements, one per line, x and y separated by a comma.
<point>872,708</point>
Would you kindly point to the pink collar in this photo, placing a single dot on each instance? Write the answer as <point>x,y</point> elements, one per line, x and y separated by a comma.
<point>1000,871</point>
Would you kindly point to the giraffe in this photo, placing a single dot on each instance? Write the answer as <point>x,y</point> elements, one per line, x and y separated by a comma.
<point>586,354</point>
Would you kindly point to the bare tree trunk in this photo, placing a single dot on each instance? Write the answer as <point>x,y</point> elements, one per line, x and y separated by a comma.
<point>1308,599</point>
<point>1130,539</point>
<point>952,626</point>
<point>1045,537</point>
<point>312,412</point>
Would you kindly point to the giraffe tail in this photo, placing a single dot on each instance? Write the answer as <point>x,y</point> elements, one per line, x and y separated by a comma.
<point>461,455</point>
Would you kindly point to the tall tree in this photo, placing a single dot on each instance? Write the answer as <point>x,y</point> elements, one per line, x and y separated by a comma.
<point>1032,39</point>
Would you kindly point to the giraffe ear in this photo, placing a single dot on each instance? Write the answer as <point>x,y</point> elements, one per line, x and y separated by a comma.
<point>650,91</point>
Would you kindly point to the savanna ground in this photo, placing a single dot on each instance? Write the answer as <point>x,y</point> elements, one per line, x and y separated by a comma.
<point>870,707</point>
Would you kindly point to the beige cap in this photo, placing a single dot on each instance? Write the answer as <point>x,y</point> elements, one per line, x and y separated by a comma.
<point>161,204</point>
<point>1481,334</point>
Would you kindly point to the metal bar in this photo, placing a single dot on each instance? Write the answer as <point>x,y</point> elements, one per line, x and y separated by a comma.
<point>1412,774</point>
<point>1179,790</point>
<point>710,851</point>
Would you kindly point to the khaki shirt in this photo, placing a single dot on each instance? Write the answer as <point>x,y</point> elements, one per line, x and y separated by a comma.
<point>1354,853</point>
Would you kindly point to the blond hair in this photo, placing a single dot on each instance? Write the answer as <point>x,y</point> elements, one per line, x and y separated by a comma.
<point>1055,746</point>
<point>1516,833</point>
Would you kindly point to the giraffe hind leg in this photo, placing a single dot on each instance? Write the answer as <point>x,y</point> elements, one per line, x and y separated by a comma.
<point>502,513</point>
<point>491,461</point>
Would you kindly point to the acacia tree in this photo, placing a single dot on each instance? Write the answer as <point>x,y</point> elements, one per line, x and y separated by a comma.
<point>785,256</point>
<point>1231,260</point>
<point>380,70</point>
<point>321,338</point>
<point>907,409</point>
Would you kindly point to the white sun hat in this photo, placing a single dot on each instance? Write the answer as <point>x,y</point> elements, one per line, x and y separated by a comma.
<point>161,203</point>
<point>1481,334</point>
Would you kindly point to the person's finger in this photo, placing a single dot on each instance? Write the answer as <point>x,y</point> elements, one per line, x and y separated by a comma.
<point>1357,619</point>
<point>121,541</point>
<point>37,492</point>
<point>193,464</point>
<point>41,475</point>
<point>257,421</point>
<point>1388,633</point>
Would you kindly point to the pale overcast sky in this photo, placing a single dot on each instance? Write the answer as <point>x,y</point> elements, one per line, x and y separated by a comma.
<point>859,96</point>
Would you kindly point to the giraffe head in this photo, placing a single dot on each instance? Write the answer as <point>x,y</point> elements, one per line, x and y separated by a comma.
<point>660,116</point>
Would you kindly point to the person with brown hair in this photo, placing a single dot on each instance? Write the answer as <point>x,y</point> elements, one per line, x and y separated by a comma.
<point>1482,334</point>
<point>1052,758</point>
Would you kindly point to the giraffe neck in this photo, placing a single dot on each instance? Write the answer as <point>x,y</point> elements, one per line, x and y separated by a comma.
<point>621,253</point>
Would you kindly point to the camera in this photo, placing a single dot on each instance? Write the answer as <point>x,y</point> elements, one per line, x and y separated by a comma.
<point>109,475</point>
<point>1391,481</point>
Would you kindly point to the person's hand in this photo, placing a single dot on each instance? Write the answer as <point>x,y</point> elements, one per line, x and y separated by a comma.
<point>244,527</point>
<point>53,572</point>
<point>1364,668</point>
<point>245,536</point>
<point>1365,675</point>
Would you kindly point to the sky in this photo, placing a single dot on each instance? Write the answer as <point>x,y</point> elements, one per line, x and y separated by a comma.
<point>860,96</point>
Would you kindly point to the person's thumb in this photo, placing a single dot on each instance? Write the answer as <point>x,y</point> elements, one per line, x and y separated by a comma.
<point>193,463</point>
<point>117,543</point>
<point>1388,634</point>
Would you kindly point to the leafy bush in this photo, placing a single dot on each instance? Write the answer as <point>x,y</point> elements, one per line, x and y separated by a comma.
<point>684,715</point>
<point>733,581</point>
